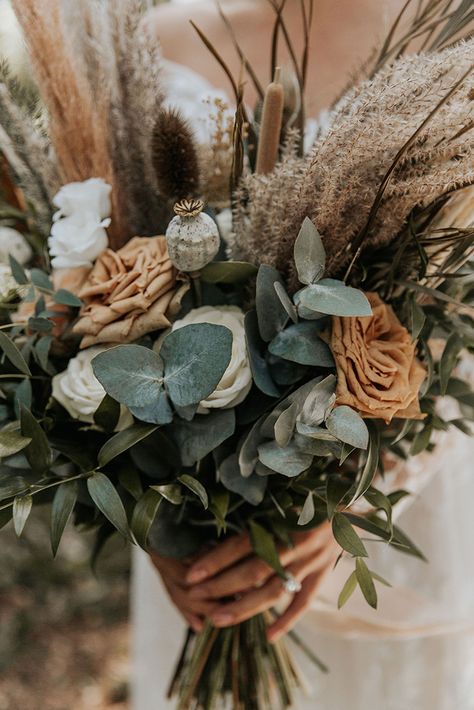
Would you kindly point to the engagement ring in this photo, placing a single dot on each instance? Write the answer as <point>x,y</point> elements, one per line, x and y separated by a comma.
<point>291,584</point>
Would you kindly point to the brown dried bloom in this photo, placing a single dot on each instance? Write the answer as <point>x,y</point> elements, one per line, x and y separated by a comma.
<point>378,373</point>
<point>129,293</point>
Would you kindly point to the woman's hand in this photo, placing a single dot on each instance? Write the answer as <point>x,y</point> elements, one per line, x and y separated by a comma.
<point>173,572</point>
<point>231,569</point>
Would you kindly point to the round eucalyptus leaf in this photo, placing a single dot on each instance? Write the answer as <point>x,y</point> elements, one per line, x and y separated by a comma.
<point>251,488</point>
<point>290,461</point>
<point>347,426</point>
<point>301,343</point>
<point>202,435</point>
<point>335,298</point>
<point>131,374</point>
<point>195,358</point>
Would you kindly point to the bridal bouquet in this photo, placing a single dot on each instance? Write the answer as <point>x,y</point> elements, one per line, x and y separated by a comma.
<point>199,341</point>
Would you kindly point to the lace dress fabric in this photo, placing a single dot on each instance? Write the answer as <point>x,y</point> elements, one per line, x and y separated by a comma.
<point>416,652</point>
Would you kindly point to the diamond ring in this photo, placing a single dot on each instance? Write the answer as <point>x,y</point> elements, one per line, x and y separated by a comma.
<point>291,584</point>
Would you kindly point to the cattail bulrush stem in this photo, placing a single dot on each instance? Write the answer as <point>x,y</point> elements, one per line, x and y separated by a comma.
<point>270,129</point>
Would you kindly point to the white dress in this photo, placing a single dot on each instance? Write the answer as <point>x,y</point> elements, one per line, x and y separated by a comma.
<point>416,652</point>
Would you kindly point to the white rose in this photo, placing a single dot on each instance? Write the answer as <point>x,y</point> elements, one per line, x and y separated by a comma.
<point>89,196</point>
<point>14,243</point>
<point>8,285</point>
<point>237,379</point>
<point>79,391</point>
<point>77,240</point>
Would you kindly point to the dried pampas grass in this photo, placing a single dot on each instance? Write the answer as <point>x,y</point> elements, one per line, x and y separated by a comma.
<point>98,75</point>
<point>337,184</point>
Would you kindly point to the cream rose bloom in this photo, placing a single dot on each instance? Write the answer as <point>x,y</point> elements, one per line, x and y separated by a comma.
<point>237,379</point>
<point>79,391</point>
<point>77,240</point>
<point>92,196</point>
<point>14,243</point>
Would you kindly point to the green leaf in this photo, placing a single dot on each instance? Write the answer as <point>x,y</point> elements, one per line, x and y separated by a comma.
<point>366,582</point>
<point>143,516</point>
<point>347,590</point>
<point>41,351</point>
<point>107,414</point>
<point>307,511</point>
<point>289,461</point>
<point>228,272</point>
<point>285,425</point>
<point>418,319</point>
<point>380,579</point>
<point>202,435</point>
<point>38,451</point>
<point>286,301</point>
<point>66,298</point>
<point>448,360</point>
<point>256,348</point>
<point>157,412</point>
<point>63,504</point>
<point>124,440</point>
<point>105,496</point>
<point>348,426</point>
<point>301,343</point>
<point>13,354</point>
<point>318,401</point>
<point>129,479</point>
<point>264,547</point>
<point>11,442</point>
<point>251,488</point>
<point>131,374</point>
<point>421,440</point>
<point>346,536</point>
<point>21,509</point>
<point>195,357</point>
<point>170,492</point>
<point>336,489</point>
<point>309,253</point>
<point>271,314</point>
<point>219,507</point>
<point>335,298</point>
<point>248,454</point>
<point>195,487</point>
<point>41,280</point>
<point>18,271</point>
<point>371,463</point>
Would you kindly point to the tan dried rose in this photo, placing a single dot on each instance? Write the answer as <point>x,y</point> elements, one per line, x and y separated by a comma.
<point>129,293</point>
<point>378,373</point>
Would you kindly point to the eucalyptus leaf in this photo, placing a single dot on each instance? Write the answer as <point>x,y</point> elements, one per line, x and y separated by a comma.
<point>157,412</point>
<point>348,426</point>
<point>18,271</point>
<point>41,280</point>
<point>285,425</point>
<point>256,348</point>
<point>248,454</point>
<point>271,314</point>
<point>21,510</point>
<point>63,504</point>
<point>143,516</point>
<point>195,358</point>
<point>41,352</point>
<point>264,547</point>
<point>251,488</point>
<point>202,435</point>
<point>66,298</point>
<point>318,401</point>
<point>309,253</point>
<point>286,301</point>
<point>228,272</point>
<point>124,440</point>
<point>348,590</point>
<point>366,582</point>
<point>289,461</point>
<point>346,536</point>
<point>171,536</point>
<point>13,354</point>
<point>307,511</point>
<point>195,487</point>
<point>105,496</point>
<point>335,298</point>
<point>301,342</point>
<point>129,479</point>
<point>23,396</point>
<point>170,492</point>
<point>131,374</point>
<point>107,414</point>
<point>371,464</point>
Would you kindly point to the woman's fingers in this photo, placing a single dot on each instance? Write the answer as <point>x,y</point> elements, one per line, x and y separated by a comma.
<point>252,603</point>
<point>300,603</point>
<point>222,556</point>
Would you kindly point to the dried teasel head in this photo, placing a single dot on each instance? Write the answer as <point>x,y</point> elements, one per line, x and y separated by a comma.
<point>174,156</point>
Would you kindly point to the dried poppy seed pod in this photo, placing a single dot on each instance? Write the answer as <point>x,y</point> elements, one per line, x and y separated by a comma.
<point>192,236</point>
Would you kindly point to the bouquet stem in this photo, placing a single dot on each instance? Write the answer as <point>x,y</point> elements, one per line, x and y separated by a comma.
<point>237,668</point>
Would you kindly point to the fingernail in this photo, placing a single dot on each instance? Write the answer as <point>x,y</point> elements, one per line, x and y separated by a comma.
<point>196,575</point>
<point>224,619</point>
<point>198,593</point>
